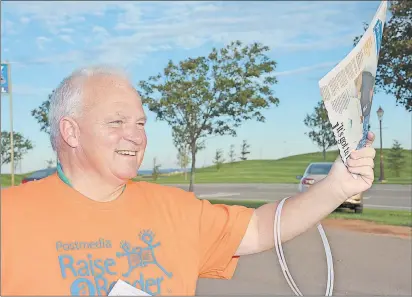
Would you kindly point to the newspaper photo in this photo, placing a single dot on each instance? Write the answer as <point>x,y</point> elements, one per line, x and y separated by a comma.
<point>347,90</point>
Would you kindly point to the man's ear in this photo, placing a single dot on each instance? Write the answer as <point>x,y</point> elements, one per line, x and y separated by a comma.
<point>69,131</point>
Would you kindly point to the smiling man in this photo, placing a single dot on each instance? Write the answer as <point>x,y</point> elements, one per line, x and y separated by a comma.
<point>89,225</point>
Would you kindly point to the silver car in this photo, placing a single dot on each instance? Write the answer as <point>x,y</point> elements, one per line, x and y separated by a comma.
<point>318,171</point>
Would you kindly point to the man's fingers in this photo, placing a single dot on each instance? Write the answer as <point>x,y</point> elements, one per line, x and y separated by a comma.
<point>366,152</point>
<point>364,171</point>
<point>370,139</point>
<point>361,162</point>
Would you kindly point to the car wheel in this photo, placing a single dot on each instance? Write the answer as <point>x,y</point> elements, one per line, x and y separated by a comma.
<point>358,209</point>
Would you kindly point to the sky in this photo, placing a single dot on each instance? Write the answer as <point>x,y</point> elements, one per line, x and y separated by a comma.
<point>46,41</point>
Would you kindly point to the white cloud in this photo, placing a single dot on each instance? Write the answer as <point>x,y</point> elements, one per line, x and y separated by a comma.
<point>29,90</point>
<point>100,32</point>
<point>25,20</point>
<point>41,41</point>
<point>7,28</point>
<point>66,30</point>
<point>145,27</point>
<point>66,38</point>
<point>305,69</point>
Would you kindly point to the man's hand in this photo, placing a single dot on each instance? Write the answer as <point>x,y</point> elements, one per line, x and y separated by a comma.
<point>360,163</point>
<point>304,210</point>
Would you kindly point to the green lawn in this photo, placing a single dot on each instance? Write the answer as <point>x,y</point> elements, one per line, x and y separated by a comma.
<point>267,171</point>
<point>6,179</point>
<point>280,171</point>
<point>384,217</point>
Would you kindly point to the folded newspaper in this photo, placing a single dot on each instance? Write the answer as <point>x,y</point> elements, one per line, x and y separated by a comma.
<point>347,90</point>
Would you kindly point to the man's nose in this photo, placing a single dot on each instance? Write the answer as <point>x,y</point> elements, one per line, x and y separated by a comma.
<point>135,134</point>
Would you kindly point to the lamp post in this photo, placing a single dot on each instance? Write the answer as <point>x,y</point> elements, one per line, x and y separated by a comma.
<point>380,116</point>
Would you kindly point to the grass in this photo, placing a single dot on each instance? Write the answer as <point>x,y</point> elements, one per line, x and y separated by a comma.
<point>6,179</point>
<point>281,171</point>
<point>379,216</point>
<point>265,171</point>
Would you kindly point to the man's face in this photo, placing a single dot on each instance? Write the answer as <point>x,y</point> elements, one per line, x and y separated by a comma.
<point>112,133</point>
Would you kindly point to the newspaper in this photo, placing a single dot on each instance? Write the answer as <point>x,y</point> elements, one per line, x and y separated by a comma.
<point>347,90</point>
<point>121,288</point>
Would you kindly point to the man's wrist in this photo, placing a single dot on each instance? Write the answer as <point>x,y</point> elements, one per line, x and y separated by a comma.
<point>335,189</point>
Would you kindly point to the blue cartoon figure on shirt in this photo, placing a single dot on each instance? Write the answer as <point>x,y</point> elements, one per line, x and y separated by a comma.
<point>141,256</point>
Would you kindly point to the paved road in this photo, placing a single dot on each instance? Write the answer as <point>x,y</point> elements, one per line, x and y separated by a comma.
<point>378,197</point>
<point>364,264</point>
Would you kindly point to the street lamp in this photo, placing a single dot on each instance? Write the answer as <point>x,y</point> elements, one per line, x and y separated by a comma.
<point>380,116</point>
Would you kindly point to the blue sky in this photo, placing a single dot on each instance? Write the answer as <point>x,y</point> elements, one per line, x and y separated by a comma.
<point>45,41</point>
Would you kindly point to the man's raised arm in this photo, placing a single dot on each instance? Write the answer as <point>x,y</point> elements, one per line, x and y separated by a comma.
<point>305,210</point>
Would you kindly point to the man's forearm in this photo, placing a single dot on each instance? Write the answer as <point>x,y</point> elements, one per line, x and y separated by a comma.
<point>299,213</point>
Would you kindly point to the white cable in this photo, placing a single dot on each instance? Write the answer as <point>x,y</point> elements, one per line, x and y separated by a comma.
<point>282,261</point>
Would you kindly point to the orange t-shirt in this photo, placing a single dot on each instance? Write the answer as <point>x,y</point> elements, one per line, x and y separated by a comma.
<point>160,239</point>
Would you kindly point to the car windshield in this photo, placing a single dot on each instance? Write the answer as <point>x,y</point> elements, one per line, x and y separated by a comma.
<point>320,169</point>
<point>43,173</point>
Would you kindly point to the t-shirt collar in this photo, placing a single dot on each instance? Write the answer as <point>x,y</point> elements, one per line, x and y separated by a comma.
<point>66,180</point>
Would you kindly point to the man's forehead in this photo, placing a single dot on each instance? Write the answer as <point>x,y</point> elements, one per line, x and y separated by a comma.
<point>108,85</point>
<point>105,82</point>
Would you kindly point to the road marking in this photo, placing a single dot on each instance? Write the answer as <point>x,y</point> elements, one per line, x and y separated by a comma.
<point>367,197</point>
<point>389,206</point>
<point>218,195</point>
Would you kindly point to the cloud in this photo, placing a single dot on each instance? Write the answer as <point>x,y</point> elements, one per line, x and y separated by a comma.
<point>28,90</point>
<point>136,29</point>
<point>41,41</point>
<point>7,28</point>
<point>305,69</point>
<point>66,38</point>
<point>25,20</point>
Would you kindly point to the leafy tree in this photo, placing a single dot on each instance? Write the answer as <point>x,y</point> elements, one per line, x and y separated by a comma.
<point>21,147</point>
<point>244,150</point>
<point>218,160</point>
<point>232,155</point>
<point>212,95</point>
<point>183,158</point>
<point>50,163</point>
<point>396,158</point>
<point>181,142</point>
<point>156,170</point>
<point>321,129</point>
<point>394,73</point>
<point>41,114</point>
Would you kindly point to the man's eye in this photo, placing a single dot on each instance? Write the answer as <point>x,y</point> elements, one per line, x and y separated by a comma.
<point>141,124</point>
<point>119,122</point>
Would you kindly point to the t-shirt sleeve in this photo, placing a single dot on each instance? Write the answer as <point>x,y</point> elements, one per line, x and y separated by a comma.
<point>221,230</point>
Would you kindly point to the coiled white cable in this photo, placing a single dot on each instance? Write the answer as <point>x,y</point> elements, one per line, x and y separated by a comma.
<point>282,261</point>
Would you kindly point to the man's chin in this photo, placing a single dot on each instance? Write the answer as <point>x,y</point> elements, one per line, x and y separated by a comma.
<point>126,174</point>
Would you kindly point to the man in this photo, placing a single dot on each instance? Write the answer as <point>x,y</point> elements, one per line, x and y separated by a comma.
<point>89,225</point>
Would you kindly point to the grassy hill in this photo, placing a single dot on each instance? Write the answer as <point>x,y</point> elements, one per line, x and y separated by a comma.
<point>266,171</point>
<point>282,170</point>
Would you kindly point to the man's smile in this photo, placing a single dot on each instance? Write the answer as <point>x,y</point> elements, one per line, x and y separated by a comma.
<point>126,152</point>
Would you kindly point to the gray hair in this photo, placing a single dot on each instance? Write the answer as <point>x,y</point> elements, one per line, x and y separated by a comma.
<point>66,100</point>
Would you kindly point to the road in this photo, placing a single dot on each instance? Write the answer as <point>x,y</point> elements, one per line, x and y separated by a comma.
<point>364,264</point>
<point>380,196</point>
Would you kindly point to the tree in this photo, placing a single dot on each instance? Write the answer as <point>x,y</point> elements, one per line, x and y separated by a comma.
<point>244,151</point>
<point>41,114</point>
<point>21,147</point>
<point>156,170</point>
<point>321,129</point>
<point>183,158</point>
<point>232,155</point>
<point>50,163</point>
<point>181,142</point>
<point>212,95</point>
<point>396,158</point>
<point>394,73</point>
<point>218,160</point>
